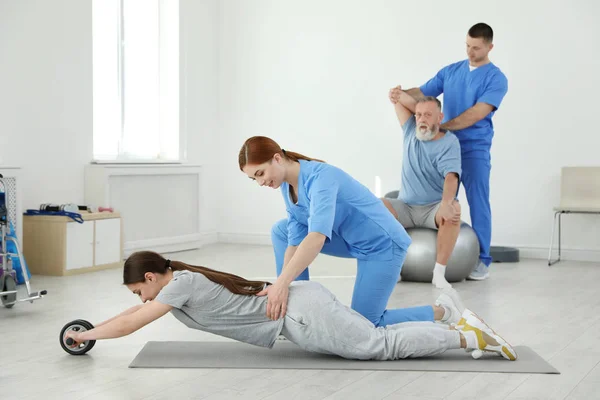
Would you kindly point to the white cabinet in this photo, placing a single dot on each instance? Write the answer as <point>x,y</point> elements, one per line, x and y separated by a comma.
<point>57,245</point>
<point>108,242</point>
<point>80,245</point>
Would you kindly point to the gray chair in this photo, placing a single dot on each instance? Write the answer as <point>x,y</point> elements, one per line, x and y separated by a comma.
<point>579,194</point>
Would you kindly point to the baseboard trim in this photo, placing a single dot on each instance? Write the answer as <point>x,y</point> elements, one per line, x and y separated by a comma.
<point>567,254</point>
<point>195,241</point>
<point>244,238</point>
<point>171,244</point>
<point>530,252</point>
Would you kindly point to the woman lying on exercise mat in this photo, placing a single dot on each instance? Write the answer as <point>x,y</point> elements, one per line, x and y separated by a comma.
<point>233,307</point>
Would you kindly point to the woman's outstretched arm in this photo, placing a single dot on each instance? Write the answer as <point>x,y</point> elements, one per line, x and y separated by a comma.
<point>126,312</point>
<point>124,324</point>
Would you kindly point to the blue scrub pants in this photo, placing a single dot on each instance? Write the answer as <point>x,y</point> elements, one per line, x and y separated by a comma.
<point>375,280</point>
<point>476,179</point>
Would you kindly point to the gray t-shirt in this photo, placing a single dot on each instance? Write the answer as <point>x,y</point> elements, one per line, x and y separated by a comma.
<point>205,305</point>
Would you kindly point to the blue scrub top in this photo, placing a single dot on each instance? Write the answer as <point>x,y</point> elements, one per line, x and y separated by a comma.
<point>462,89</point>
<point>331,202</point>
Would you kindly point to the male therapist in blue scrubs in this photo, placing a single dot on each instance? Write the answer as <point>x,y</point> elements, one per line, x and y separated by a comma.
<point>473,90</point>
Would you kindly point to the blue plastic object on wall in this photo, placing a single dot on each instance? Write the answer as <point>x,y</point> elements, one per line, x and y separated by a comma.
<point>16,262</point>
<point>3,211</point>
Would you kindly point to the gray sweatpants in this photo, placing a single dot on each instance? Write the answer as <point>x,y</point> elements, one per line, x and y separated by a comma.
<point>316,321</point>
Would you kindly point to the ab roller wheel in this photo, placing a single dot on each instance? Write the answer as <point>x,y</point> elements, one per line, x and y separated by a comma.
<point>79,325</point>
<point>8,284</point>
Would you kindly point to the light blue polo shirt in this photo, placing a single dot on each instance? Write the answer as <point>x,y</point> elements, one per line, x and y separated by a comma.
<point>425,165</point>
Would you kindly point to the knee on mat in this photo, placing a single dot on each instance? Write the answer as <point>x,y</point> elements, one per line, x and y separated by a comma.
<point>376,320</point>
<point>373,317</point>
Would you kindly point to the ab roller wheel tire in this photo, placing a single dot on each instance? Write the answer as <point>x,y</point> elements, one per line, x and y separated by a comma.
<point>8,284</point>
<point>79,325</point>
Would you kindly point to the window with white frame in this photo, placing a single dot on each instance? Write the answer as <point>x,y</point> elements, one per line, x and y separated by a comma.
<point>136,81</point>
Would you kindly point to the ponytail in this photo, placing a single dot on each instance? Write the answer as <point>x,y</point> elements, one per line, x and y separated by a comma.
<point>290,155</point>
<point>139,263</point>
<point>235,284</point>
<point>260,149</point>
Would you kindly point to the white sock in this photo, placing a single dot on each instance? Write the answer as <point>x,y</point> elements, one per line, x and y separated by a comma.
<point>439,278</point>
<point>471,339</point>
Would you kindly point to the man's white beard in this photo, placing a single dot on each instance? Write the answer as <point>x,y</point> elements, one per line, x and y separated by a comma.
<point>426,134</point>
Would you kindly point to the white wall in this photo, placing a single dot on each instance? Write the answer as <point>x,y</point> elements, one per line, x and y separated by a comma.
<point>314,76</point>
<point>199,94</point>
<point>46,102</point>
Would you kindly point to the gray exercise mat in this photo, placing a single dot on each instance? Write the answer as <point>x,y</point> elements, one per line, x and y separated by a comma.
<point>286,355</point>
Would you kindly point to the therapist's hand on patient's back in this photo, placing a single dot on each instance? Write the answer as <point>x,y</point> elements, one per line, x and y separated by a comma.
<point>277,298</point>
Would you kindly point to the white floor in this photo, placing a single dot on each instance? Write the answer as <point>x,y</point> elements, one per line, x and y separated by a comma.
<point>551,309</point>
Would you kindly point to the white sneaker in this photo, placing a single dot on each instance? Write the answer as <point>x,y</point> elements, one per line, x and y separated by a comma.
<point>480,273</point>
<point>463,319</point>
<point>487,339</point>
<point>450,300</point>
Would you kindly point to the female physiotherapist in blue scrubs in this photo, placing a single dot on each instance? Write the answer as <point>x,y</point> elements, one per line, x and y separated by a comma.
<point>330,212</point>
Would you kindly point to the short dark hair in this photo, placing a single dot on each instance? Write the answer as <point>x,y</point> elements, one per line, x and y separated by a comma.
<point>427,99</point>
<point>482,30</point>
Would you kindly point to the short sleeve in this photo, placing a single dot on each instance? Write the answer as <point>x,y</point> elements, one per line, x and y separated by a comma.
<point>410,126</point>
<point>323,198</point>
<point>435,86</point>
<point>450,159</point>
<point>178,291</point>
<point>495,91</point>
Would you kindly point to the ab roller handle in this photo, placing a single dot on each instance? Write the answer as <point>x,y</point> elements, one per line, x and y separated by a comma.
<point>79,325</point>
